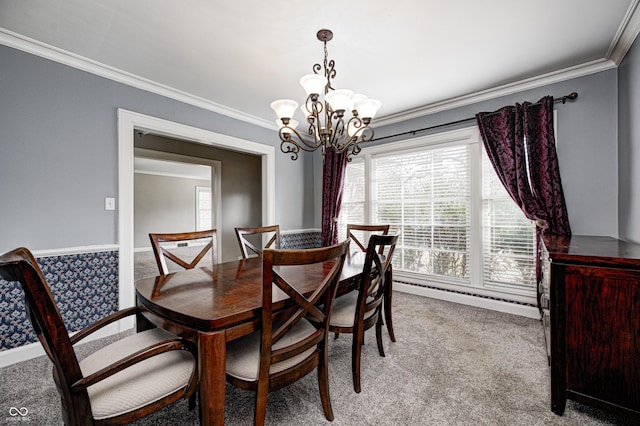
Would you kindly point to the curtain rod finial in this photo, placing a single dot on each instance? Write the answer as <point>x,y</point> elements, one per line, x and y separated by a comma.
<point>571,96</point>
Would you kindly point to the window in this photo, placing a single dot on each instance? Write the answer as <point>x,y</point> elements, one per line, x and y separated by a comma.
<point>203,208</point>
<point>509,238</point>
<point>458,225</point>
<point>352,209</point>
<point>424,195</point>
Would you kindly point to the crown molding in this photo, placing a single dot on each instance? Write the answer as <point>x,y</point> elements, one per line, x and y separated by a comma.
<point>43,50</point>
<point>507,89</point>
<point>620,45</point>
<point>626,34</point>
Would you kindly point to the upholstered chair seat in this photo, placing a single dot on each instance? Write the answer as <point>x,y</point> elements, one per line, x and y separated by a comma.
<point>291,339</point>
<point>117,384</point>
<point>361,309</point>
<point>243,355</point>
<point>141,384</point>
<point>343,313</point>
<point>360,235</point>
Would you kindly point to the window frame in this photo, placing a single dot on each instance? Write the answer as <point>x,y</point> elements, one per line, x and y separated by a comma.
<point>469,136</point>
<point>199,225</point>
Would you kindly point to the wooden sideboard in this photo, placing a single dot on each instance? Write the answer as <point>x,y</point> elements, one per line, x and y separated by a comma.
<point>590,296</point>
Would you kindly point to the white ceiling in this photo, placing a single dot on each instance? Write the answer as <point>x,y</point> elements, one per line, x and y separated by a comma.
<point>235,57</point>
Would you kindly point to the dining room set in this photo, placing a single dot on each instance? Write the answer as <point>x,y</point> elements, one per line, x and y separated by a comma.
<point>258,323</point>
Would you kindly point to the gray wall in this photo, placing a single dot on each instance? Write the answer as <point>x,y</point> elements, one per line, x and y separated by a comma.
<point>587,145</point>
<point>58,153</point>
<point>629,145</point>
<point>163,204</point>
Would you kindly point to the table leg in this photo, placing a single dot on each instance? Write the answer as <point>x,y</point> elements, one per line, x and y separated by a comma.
<point>387,305</point>
<point>142,323</point>
<point>212,354</point>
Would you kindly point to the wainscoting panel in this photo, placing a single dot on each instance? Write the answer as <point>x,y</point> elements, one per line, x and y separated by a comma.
<point>303,239</point>
<point>85,287</point>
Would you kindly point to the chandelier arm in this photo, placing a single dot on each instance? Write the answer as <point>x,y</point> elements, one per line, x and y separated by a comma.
<point>351,143</point>
<point>313,107</point>
<point>317,142</point>
<point>364,134</point>
<point>339,136</point>
<point>329,117</point>
<point>293,144</point>
<point>343,139</point>
<point>290,147</point>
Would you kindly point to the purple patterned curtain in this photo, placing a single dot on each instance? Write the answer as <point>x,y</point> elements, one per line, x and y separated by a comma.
<point>520,143</point>
<point>333,171</point>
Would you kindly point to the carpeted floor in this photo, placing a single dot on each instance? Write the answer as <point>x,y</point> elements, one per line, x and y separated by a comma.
<point>452,365</point>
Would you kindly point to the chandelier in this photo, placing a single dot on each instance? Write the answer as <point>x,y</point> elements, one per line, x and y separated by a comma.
<point>341,121</point>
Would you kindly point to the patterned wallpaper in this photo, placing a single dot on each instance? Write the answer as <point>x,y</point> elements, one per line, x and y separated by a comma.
<point>85,287</point>
<point>300,240</point>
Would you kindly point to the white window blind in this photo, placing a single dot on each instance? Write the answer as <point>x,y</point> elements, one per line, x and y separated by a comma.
<point>509,238</point>
<point>425,195</point>
<point>353,198</point>
<point>458,225</point>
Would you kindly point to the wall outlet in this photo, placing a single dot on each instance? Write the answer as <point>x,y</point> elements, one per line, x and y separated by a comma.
<point>109,203</point>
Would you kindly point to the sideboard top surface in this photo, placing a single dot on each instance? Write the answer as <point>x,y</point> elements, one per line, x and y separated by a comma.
<point>593,250</point>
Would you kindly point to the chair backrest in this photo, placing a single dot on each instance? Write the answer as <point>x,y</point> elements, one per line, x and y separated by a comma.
<point>308,291</point>
<point>249,248</point>
<point>19,265</point>
<point>179,243</point>
<point>374,273</point>
<point>360,234</point>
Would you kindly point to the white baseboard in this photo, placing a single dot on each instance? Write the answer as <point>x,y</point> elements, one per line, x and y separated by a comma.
<point>466,299</point>
<point>34,350</point>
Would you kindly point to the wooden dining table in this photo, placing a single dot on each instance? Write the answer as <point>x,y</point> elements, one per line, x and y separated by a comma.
<point>212,305</point>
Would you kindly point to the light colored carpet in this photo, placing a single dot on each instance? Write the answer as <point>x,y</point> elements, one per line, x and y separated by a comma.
<point>452,365</point>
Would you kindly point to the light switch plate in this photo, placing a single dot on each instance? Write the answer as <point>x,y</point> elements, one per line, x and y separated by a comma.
<point>109,203</point>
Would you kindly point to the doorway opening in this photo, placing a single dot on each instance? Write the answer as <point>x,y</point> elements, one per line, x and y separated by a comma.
<point>128,123</point>
<point>173,193</point>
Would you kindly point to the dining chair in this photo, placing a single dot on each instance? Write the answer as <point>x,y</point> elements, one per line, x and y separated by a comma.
<point>289,346</point>
<point>359,310</point>
<point>179,242</point>
<point>360,234</point>
<point>249,248</point>
<point>122,382</point>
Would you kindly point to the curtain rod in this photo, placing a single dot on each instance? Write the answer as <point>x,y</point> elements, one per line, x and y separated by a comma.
<point>571,97</point>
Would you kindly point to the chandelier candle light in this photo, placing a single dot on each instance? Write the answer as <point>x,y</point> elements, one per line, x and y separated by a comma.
<point>327,128</point>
